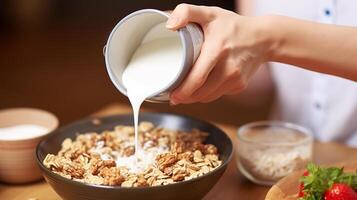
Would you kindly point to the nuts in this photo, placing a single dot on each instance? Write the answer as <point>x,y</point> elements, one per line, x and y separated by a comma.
<point>76,171</point>
<point>111,176</point>
<point>128,183</point>
<point>146,126</point>
<point>128,151</point>
<point>92,158</point>
<point>197,156</point>
<point>178,177</point>
<point>141,182</point>
<point>166,160</point>
<point>51,161</point>
<point>168,171</point>
<point>101,164</point>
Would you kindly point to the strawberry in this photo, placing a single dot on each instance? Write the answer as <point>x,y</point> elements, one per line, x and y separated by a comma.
<point>330,183</point>
<point>301,187</point>
<point>301,190</point>
<point>340,191</point>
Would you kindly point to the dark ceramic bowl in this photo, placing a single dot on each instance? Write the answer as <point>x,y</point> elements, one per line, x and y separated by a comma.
<point>193,189</point>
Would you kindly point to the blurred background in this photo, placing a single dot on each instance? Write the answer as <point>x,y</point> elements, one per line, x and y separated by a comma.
<point>51,58</point>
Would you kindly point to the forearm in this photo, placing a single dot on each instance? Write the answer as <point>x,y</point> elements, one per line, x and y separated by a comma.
<point>235,46</point>
<point>318,47</point>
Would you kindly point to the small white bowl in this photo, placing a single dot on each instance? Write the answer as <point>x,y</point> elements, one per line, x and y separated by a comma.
<point>17,156</point>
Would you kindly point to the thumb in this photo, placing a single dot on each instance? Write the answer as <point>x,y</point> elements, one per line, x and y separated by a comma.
<point>185,13</point>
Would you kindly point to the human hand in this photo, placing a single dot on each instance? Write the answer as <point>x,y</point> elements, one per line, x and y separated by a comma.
<point>233,49</point>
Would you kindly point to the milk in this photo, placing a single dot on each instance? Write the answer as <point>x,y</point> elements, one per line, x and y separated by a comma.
<point>22,131</point>
<point>154,65</point>
<point>141,160</point>
<point>134,163</point>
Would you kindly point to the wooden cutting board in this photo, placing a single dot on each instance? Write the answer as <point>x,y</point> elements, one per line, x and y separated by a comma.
<point>288,187</point>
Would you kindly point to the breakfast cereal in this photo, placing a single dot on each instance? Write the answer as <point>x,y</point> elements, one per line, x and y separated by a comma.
<point>167,156</point>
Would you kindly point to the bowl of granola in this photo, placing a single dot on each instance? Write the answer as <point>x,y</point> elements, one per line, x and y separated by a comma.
<point>179,157</point>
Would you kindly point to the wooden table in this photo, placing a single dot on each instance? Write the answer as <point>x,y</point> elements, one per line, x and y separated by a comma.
<point>232,185</point>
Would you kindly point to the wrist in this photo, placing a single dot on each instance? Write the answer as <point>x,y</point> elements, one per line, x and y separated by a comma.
<point>273,36</point>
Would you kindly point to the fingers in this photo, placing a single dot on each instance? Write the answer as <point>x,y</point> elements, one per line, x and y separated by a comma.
<point>216,78</point>
<point>216,94</point>
<point>227,88</point>
<point>185,13</point>
<point>197,76</point>
<point>209,87</point>
<point>224,79</point>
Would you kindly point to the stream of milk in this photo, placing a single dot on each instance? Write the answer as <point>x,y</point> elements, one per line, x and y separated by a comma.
<point>154,65</point>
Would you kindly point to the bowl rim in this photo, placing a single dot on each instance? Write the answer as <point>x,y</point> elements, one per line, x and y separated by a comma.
<point>303,130</point>
<point>38,110</point>
<point>78,183</point>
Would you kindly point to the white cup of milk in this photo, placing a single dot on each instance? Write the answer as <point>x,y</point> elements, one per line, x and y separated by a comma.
<point>21,129</point>
<point>143,54</point>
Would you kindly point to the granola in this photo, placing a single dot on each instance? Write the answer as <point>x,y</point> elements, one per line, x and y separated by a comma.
<point>107,158</point>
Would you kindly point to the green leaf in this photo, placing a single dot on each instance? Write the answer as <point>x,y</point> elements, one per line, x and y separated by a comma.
<point>321,179</point>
